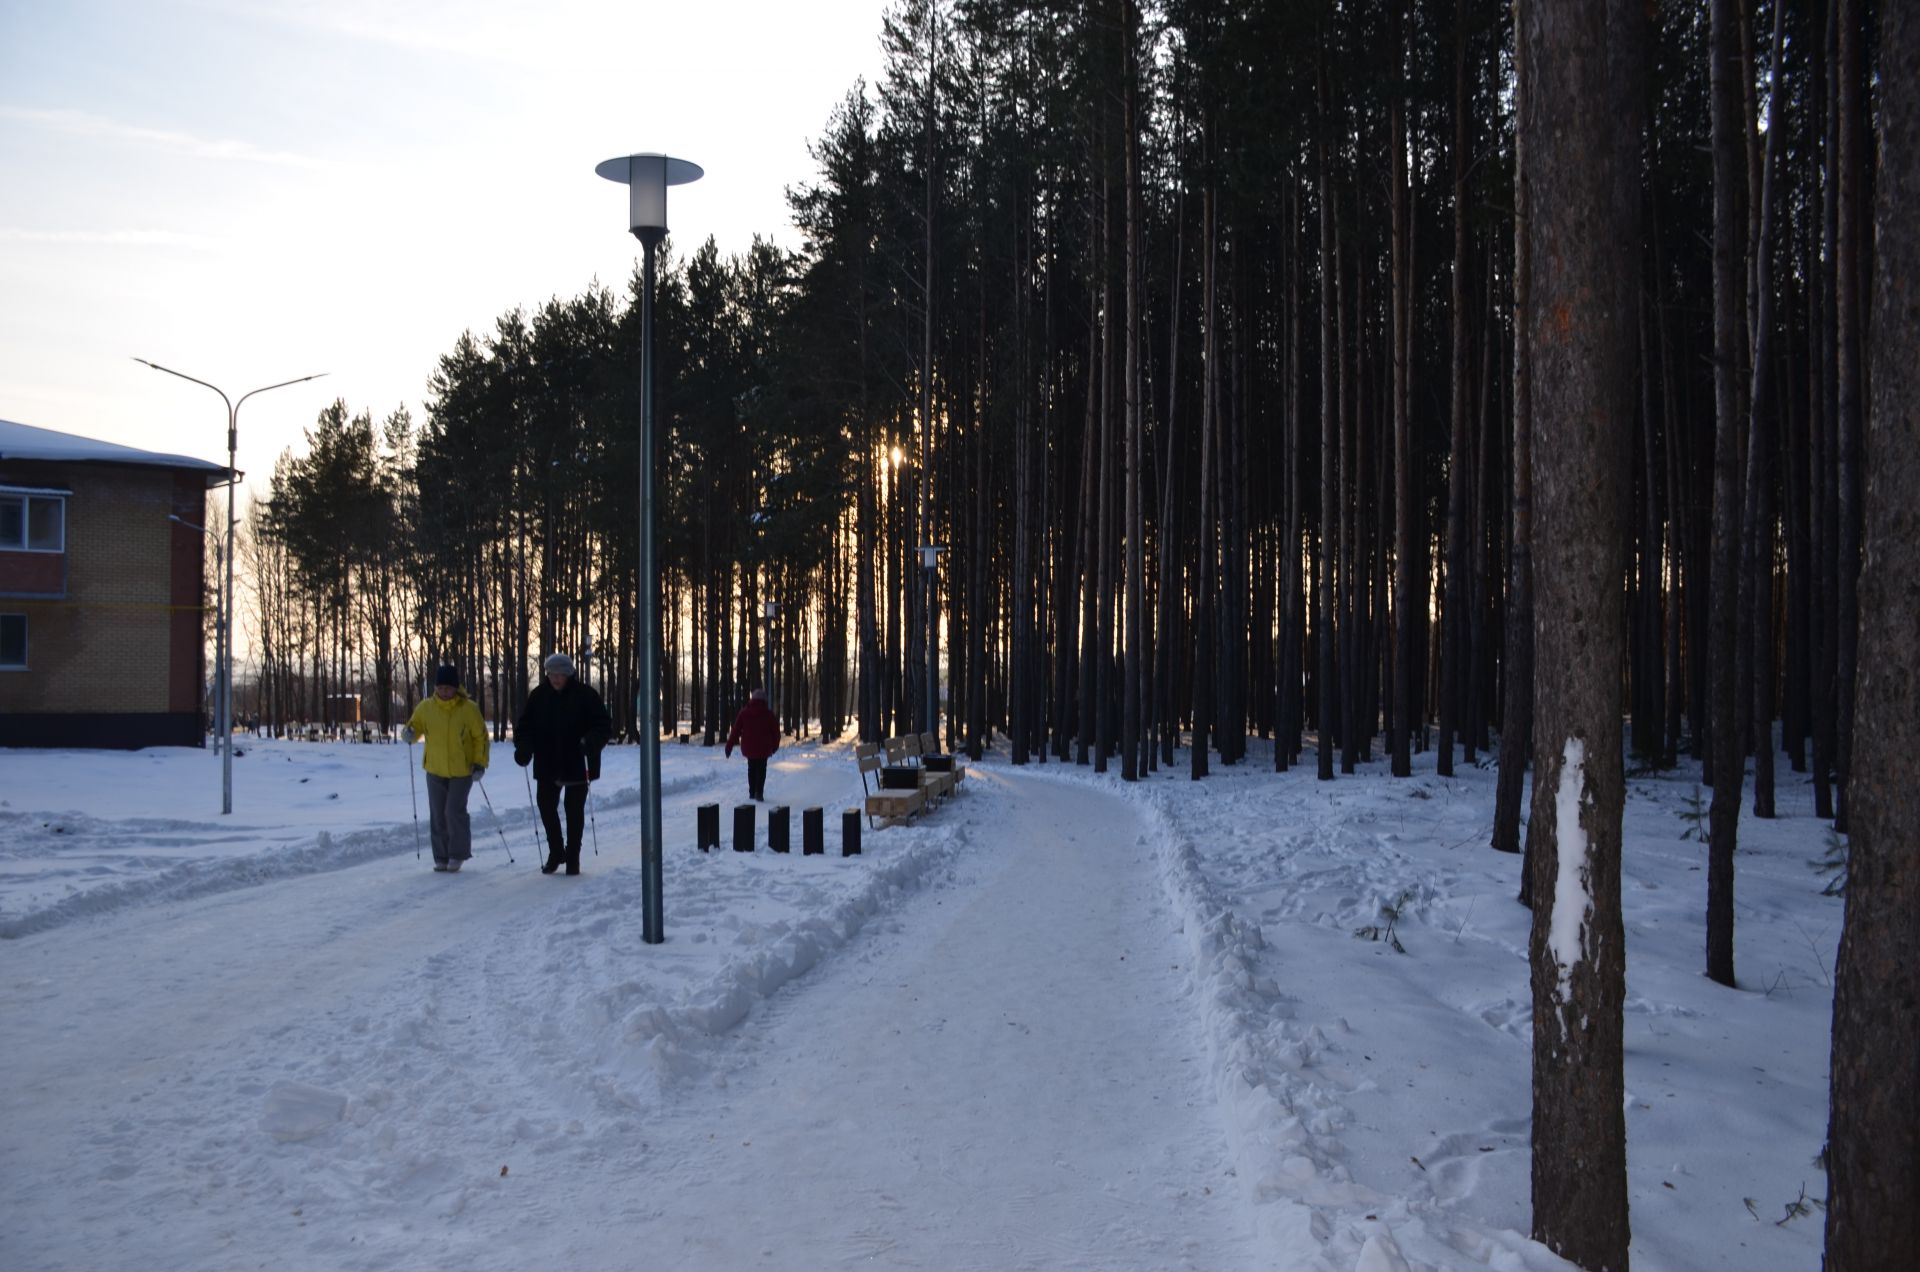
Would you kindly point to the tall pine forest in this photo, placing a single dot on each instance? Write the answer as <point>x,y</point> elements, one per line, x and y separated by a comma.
<point>1188,332</point>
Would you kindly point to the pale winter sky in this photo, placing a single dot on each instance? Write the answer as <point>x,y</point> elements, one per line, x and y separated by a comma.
<point>254,190</point>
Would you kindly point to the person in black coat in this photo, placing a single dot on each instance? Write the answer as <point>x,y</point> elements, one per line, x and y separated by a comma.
<point>561,732</point>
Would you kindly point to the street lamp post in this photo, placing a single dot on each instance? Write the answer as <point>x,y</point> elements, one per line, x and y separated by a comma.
<point>770,609</point>
<point>647,177</point>
<point>929,553</point>
<point>899,598</point>
<point>929,562</point>
<point>226,601</point>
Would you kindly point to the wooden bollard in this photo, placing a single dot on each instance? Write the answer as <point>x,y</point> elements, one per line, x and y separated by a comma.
<point>707,817</point>
<point>813,832</point>
<point>743,827</point>
<point>850,833</point>
<point>777,822</point>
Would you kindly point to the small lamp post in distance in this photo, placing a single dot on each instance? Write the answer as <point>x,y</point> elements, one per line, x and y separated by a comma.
<point>226,626</point>
<point>929,563</point>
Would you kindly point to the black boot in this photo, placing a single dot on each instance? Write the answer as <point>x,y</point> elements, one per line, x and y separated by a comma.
<point>554,858</point>
<point>573,860</point>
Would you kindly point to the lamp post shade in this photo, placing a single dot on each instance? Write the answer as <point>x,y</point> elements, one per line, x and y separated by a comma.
<point>647,178</point>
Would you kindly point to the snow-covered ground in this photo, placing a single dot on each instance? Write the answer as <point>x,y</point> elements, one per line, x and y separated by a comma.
<point>1061,1022</point>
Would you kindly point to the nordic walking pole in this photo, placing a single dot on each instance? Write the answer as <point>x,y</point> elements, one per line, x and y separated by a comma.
<point>496,820</point>
<point>591,822</point>
<point>414,790</point>
<point>533,810</point>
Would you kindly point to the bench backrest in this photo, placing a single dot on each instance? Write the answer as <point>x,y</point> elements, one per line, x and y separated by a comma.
<point>867,756</point>
<point>896,751</point>
<point>911,743</point>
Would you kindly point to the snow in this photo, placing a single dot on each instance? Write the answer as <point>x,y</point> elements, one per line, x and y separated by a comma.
<point>1572,904</point>
<point>1257,1021</point>
<point>24,441</point>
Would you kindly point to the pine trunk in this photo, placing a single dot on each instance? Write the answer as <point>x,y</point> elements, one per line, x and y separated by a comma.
<point>1454,616</point>
<point>1581,121</point>
<point>1846,302</point>
<point>1203,598</point>
<point>1725,765</point>
<point>1135,525</point>
<point>1323,605</point>
<point>1516,721</point>
<point>1760,434</point>
<point>1873,1138</point>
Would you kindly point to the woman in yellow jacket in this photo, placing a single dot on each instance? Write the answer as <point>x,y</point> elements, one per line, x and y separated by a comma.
<point>455,757</point>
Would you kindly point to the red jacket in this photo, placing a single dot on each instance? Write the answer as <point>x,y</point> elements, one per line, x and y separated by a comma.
<point>755,731</point>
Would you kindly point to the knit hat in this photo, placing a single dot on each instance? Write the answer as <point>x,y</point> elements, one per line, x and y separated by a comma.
<point>559,663</point>
<point>447,675</point>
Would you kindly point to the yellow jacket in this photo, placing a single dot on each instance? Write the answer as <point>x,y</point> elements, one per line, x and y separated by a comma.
<point>453,734</point>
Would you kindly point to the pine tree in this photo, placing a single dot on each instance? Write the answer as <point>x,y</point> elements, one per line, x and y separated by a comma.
<point>1580,123</point>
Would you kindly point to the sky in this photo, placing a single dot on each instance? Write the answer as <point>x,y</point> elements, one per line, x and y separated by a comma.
<point>1060,1021</point>
<point>253,192</point>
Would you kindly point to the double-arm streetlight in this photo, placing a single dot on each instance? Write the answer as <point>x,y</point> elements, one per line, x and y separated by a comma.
<point>225,638</point>
<point>647,178</point>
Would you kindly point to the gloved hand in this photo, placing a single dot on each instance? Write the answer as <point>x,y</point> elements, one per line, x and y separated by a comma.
<point>522,757</point>
<point>408,734</point>
<point>593,768</point>
<point>479,771</point>
<point>729,751</point>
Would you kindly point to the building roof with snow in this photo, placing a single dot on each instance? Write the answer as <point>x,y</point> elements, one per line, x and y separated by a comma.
<point>24,442</point>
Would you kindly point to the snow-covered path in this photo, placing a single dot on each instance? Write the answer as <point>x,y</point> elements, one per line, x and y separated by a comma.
<point>1000,1071</point>
<point>1007,1078</point>
<point>1063,1021</point>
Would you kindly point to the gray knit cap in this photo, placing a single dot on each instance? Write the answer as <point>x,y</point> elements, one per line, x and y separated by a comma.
<point>559,663</point>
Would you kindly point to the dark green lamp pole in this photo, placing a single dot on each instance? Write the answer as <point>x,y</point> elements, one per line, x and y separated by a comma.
<point>647,178</point>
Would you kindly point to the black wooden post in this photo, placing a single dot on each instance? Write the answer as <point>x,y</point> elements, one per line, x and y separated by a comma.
<point>813,832</point>
<point>777,823</point>
<point>850,833</point>
<point>708,818</point>
<point>743,827</point>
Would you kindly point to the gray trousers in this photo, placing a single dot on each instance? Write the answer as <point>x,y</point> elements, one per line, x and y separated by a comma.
<point>447,806</point>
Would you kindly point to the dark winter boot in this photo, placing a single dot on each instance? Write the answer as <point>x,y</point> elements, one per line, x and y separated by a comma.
<point>554,858</point>
<point>573,859</point>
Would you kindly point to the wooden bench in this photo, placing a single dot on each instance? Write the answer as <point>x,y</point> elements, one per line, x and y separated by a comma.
<point>930,745</point>
<point>885,806</point>
<point>937,785</point>
<point>905,750</point>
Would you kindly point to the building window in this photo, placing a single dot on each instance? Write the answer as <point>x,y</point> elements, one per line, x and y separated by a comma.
<point>13,642</point>
<point>32,523</point>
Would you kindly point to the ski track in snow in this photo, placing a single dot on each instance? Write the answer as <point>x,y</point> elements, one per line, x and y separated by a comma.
<point>1062,1022</point>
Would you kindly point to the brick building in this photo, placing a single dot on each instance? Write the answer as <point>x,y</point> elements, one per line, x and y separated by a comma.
<point>102,597</point>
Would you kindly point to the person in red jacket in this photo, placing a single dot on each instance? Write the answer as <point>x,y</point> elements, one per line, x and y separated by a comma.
<point>757,733</point>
